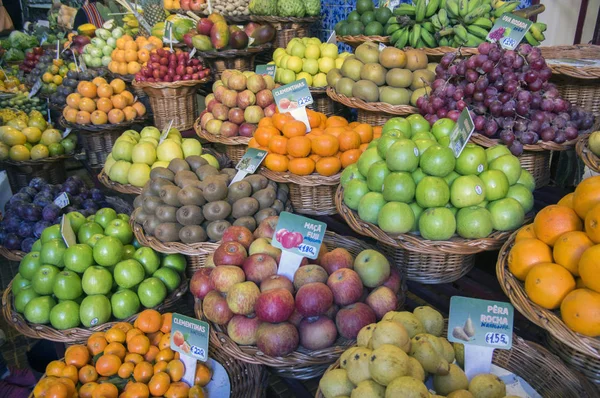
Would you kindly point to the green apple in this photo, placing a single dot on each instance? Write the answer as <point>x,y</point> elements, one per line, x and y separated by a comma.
<point>128,273</point>
<point>353,193</point>
<point>76,220</point>
<point>87,230</point>
<point>472,160</point>
<point>372,267</point>
<point>65,315</point>
<point>169,150</point>
<point>78,257</point>
<point>211,160</point>
<point>67,286</point>
<point>467,191</point>
<point>105,216</point>
<point>474,222</point>
<point>108,251</point>
<point>312,52</point>
<point>369,206</point>
<point>437,223</point>
<point>507,214</point>
<point>174,261</point>
<point>144,152</point>
<point>138,174</point>
<point>119,229</point>
<point>38,309</point>
<point>396,218</point>
<point>122,150</point>
<point>496,184</point>
<point>119,171</point>
<point>96,280</point>
<point>191,147</point>
<point>151,292</point>
<point>132,133</point>
<point>495,152</point>
<point>310,66</point>
<point>509,165</point>
<point>94,310</point>
<point>124,303</point>
<point>148,259</point>
<point>398,123</point>
<point>150,131</point>
<point>442,128</point>
<point>329,50</point>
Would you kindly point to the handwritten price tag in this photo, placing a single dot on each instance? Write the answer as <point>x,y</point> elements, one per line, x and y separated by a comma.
<point>499,339</point>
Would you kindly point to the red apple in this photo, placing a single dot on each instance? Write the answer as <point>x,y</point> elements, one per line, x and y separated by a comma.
<point>336,259</point>
<point>349,320</point>
<point>242,329</point>
<point>242,297</point>
<point>270,110</point>
<point>259,267</point>
<point>277,340</point>
<point>230,253</point>
<point>346,286</point>
<point>196,5</point>
<point>266,228</point>
<point>308,274</point>
<point>238,234</point>
<point>215,308</point>
<point>225,276</point>
<point>247,129</point>
<point>206,117</point>
<point>317,333</point>
<point>394,282</point>
<point>277,282</point>
<point>204,26</point>
<point>382,300</point>
<point>264,98</point>
<point>263,245</point>
<point>236,115</point>
<point>201,284</point>
<point>185,5</point>
<point>295,318</point>
<point>274,305</point>
<point>313,299</point>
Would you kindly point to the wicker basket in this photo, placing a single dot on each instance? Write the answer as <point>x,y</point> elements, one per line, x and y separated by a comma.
<point>589,158</point>
<point>242,60</point>
<point>287,28</point>
<point>586,349</point>
<point>235,147</point>
<point>537,366</point>
<point>52,169</point>
<point>172,101</point>
<point>78,334</point>
<point>423,261</point>
<point>355,41</point>
<point>301,364</point>
<point>115,186</point>
<point>322,103</point>
<point>12,255</point>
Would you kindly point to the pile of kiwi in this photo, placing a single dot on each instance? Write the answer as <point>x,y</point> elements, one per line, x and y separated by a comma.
<point>191,201</point>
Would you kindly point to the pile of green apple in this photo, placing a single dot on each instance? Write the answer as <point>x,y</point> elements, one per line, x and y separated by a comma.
<point>98,52</point>
<point>134,154</point>
<point>307,58</point>
<point>409,180</point>
<point>105,275</point>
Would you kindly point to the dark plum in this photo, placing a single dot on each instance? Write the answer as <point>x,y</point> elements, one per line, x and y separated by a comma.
<point>25,229</point>
<point>71,188</point>
<point>32,212</point>
<point>38,183</point>
<point>12,242</point>
<point>11,224</point>
<point>97,194</point>
<point>20,197</point>
<point>50,212</point>
<point>29,191</point>
<point>39,227</point>
<point>27,244</point>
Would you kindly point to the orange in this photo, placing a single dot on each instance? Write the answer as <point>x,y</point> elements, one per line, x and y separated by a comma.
<point>325,145</point>
<point>301,166</point>
<point>328,166</point>
<point>525,254</point>
<point>579,283</point>
<point>155,337</point>
<point>70,114</point>
<point>567,200</point>
<point>108,365</point>
<point>55,368</point>
<point>553,221</point>
<point>73,100</point>
<point>99,80</point>
<point>118,85</point>
<point>262,135</point>
<point>70,384</point>
<point>589,267</point>
<point>350,157</point>
<point>132,333</point>
<point>138,390</point>
<point>315,158</point>
<point>334,131</point>
<point>131,45</point>
<point>266,122</point>
<point>336,121</point>
<point>196,392</point>
<point>365,131</point>
<point>126,369</point>
<point>142,372</point>
<point>43,384</point>
<point>57,390</point>
<point>547,284</point>
<point>87,89</point>
<point>278,144</point>
<point>143,55</point>
<point>118,101</point>
<point>592,223</point>
<point>105,90</point>
<point>276,162</point>
<point>105,390</point>
<point>280,119</point>
<point>128,97</point>
<point>299,147</point>
<point>130,113</point>
<point>133,358</point>
<point>140,109</point>
<point>166,354</point>
<point>115,335</point>
<point>569,248</point>
<point>580,310</point>
<point>87,104</point>
<point>165,341</point>
<point>160,366</point>
<point>363,147</point>
<point>203,375</point>
<point>586,195</point>
<point>178,389</point>
<point>116,116</point>
<point>349,140</point>
<point>87,374</point>
<point>121,43</point>
<point>175,369</point>
<point>149,321</point>
<point>83,117</point>
<point>352,125</point>
<point>85,391</point>
<point>252,143</point>
<point>314,119</point>
<point>167,320</point>
<point>104,105</point>
<point>150,356</point>
<point>377,130</point>
<point>131,56</point>
<point>525,232</point>
<point>294,128</point>
<point>117,349</point>
<point>138,344</point>
<point>159,384</point>
<point>70,372</point>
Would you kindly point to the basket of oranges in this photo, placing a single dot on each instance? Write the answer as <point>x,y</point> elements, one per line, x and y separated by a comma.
<point>310,163</point>
<point>129,55</point>
<point>137,360</point>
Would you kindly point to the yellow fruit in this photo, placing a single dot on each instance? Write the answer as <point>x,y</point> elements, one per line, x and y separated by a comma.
<point>18,152</point>
<point>13,137</point>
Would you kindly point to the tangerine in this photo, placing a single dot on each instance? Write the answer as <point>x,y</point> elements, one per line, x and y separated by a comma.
<point>547,284</point>
<point>115,335</point>
<point>202,376</point>
<point>592,223</point>
<point>278,144</point>
<point>525,232</point>
<point>108,365</point>
<point>336,121</point>
<point>142,372</point>
<point>153,351</point>
<point>140,109</point>
<point>105,90</point>
<point>138,390</point>
<point>87,104</point>
<point>525,254</point>
<point>83,117</point>
<point>328,166</point>
<point>349,140</point>
<point>105,390</point>
<point>126,370</point>
<point>87,374</point>
<point>325,145</point>
<point>138,344</point>
<point>301,166</point>
<point>365,131</point>
<point>350,157</point>
<point>98,80</point>
<point>580,310</point>
<point>586,195</point>
<point>166,354</point>
<point>276,162</point>
<point>262,135</point>
<point>70,372</point>
<point>133,358</point>
<point>165,341</point>
<point>280,119</point>
<point>314,119</point>
<point>96,344</point>
<point>57,390</point>
<point>175,369</point>
<point>178,389</point>
<point>85,391</point>
<point>252,143</point>
<point>132,333</point>
<point>568,250</point>
<point>73,100</point>
<point>567,200</point>
<point>98,118</point>
<point>104,104</point>
<point>149,321</point>
<point>160,366</point>
<point>118,85</point>
<point>589,267</point>
<point>87,89</point>
<point>159,384</point>
<point>553,221</point>
<point>116,116</point>
<point>299,147</point>
<point>294,128</point>
<point>117,349</point>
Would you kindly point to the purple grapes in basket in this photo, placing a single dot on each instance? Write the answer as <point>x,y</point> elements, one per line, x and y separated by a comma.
<point>508,94</point>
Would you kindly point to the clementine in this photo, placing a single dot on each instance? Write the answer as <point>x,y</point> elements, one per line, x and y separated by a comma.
<point>547,284</point>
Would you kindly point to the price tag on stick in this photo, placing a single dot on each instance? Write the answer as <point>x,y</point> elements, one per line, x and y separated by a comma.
<point>36,87</point>
<point>332,38</point>
<point>297,237</point>
<point>165,132</point>
<point>482,326</point>
<point>58,49</point>
<point>66,230</point>
<point>249,163</point>
<point>463,129</point>
<point>189,337</point>
<point>293,98</point>
<point>509,30</point>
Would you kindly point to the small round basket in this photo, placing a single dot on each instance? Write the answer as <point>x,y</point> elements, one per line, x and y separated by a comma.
<point>115,186</point>
<point>312,194</point>
<point>537,366</point>
<point>235,147</point>
<point>52,169</point>
<point>421,260</point>
<point>582,352</point>
<point>355,41</point>
<point>172,101</point>
<point>589,158</point>
<point>373,113</point>
<point>287,28</point>
<point>242,60</point>
<point>78,334</point>
<point>301,364</point>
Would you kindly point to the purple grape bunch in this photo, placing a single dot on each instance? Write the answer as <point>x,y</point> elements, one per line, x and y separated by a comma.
<point>508,94</point>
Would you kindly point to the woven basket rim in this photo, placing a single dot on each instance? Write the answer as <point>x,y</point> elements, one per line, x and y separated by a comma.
<point>12,255</point>
<point>579,51</point>
<point>115,186</point>
<point>353,102</point>
<point>312,180</point>
<point>101,128</point>
<point>544,318</point>
<point>359,39</point>
<point>412,242</point>
<point>50,159</point>
<point>318,90</point>
<point>173,85</point>
<point>233,53</point>
<point>541,146</point>
<point>585,153</point>
<point>218,139</point>
<point>275,19</point>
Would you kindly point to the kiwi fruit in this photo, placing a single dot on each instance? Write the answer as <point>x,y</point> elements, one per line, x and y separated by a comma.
<point>191,195</point>
<point>196,161</point>
<point>248,222</point>
<point>168,194</point>
<point>207,170</point>
<point>166,213</point>
<point>156,184</point>
<point>189,215</point>
<point>167,231</point>
<point>278,206</point>
<point>273,185</point>
<point>177,165</point>
<point>215,190</point>
<point>205,224</point>
<point>141,216</point>
<point>192,234</point>
<point>244,207</point>
<point>162,172</point>
<point>266,197</point>
<point>137,202</point>
<point>282,195</point>
<point>239,190</point>
<point>185,175</point>
<point>216,229</point>
<point>264,213</point>
<point>229,172</point>
<point>150,204</point>
<point>147,192</point>
<point>218,210</point>
<point>150,225</point>
<point>257,181</point>
<point>188,182</point>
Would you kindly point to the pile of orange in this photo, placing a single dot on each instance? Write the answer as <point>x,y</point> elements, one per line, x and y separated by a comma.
<point>100,102</point>
<point>331,145</point>
<point>126,361</point>
<point>130,55</point>
<point>557,258</point>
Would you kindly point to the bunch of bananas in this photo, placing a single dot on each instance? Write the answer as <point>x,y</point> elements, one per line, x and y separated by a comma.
<point>131,25</point>
<point>454,23</point>
<point>8,114</point>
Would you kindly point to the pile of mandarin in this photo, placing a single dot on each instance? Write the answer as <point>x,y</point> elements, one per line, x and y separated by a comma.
<point>130,54</point>
<point>331,145</point>
<point>126,361</point>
